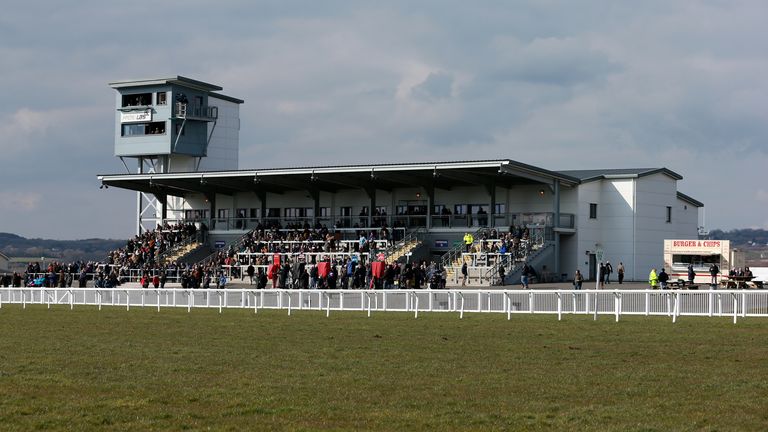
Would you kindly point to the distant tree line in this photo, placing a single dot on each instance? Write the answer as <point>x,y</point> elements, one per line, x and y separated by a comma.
<point>742,237</point>
<point>62,250</point>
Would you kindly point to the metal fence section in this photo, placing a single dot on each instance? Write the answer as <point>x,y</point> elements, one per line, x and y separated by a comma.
<point>672,303</point>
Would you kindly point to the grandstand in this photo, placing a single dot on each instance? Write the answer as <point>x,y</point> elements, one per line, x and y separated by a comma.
<point>184,136</point>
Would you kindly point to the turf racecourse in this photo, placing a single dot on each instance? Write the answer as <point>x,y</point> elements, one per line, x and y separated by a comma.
<point>142,370</point>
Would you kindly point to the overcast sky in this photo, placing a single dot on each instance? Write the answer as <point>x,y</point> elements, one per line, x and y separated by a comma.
<point>560,85</point>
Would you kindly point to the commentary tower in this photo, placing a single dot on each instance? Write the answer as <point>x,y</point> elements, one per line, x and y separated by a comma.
<point>173,125</point>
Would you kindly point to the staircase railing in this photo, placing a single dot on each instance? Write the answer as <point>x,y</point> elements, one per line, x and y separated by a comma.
<point>416,235</point>
<point>199,237</point>
<point>454,253</point>
<point>238,244</point>
<point>492,273</point>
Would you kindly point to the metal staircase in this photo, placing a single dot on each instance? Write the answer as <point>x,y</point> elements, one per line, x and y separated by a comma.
<point>405,246</point>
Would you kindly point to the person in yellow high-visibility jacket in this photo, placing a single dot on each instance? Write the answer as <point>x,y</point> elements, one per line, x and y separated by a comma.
<point>653,279</point>
<point>468,240</point>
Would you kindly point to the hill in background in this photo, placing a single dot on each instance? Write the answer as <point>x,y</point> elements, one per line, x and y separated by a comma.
<point>61,250</point>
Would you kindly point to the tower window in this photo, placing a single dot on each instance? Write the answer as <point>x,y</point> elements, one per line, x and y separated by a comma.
<point>593,210</point>
<point>162,98</point>
<point>140,99</point>
<point>138,129</point>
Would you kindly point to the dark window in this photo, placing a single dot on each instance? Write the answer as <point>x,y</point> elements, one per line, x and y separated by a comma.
<point>460,209</point>
<point>135,129</point>
<point>273,212</point>
<point>141,99</point>
<point>325,212</point>
<point>255,213</point>
<point>669,214</point>
<point>162,98</point>
<point>592,211</point>
<point>500,209</point>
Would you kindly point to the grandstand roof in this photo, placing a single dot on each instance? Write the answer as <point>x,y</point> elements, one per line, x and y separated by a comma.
<point>591,175</point>
<point>440,175</point>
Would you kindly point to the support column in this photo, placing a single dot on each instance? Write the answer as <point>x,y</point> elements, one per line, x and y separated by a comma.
<point>491,188</point>
<point>263,200</point>
<point>371,192</point>
<point>212,208</point>
<point>315,194</point>
<point>163,207</point>
<point>430,190</point>
<point>556,225</point>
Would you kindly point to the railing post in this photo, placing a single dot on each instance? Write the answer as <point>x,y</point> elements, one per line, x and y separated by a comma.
<point>128,300</point>
<point>735,306</point>
<point>189,301</point>
<point>289,302</point>
<point>143,303</point>
<point>221,299</point>
<point>616,304</point>
<point>368,295</point>
<point>416,297</point>
<point>719,304</point>
<point>711,303</point>
<point>461,314</point>
<point>158,299</point>
<point>559,307</point>
<point>597,303</point>
<point>676,312</point>
<point>23,299</point>
<point>530,301</point>
<point>743,304</point>
<point>647,303</point>
<point>509,305</point>
<point>71,300</point>
<point>328,305</point>
<point>573,297</point>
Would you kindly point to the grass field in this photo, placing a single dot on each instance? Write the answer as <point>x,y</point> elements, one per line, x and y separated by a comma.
<point>173,370</point>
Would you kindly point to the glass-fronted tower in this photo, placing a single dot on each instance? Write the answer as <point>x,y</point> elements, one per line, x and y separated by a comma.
<point>174,124</point>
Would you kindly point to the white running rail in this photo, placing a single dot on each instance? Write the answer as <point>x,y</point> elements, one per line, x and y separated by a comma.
<point>670,303</point>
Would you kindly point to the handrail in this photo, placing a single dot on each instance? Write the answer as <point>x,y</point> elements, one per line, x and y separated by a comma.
<point>669,303</point>
<point>416,235</point>
<point>491,274</point>
<point>449,257</point>
<point>197,238</point>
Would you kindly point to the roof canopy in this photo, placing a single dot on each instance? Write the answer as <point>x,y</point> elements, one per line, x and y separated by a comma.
<point>438,175</point>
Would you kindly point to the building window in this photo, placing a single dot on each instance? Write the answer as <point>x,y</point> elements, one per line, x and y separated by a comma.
<point>254,212</point>
<point>669,214</point>
<point>273,212</point>
<point>162,98</point>
<point>500,209</point>
<point>141,99</point>
<point>325,212</point>
<point>592,210</point>
<point>136,129</point>
<point>460,209</point>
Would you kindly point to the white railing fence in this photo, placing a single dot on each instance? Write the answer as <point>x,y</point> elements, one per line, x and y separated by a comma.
<point>672,303</point>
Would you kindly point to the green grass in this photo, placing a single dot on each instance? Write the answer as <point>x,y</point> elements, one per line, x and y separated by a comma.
<point>173,370</point>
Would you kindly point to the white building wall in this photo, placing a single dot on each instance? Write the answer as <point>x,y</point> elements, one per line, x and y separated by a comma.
<point>224,146</point>
<point>654,194</point>
<point>686,219</point>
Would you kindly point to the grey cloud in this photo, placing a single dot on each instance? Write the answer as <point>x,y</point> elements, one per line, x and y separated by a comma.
<point>438,85</point>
